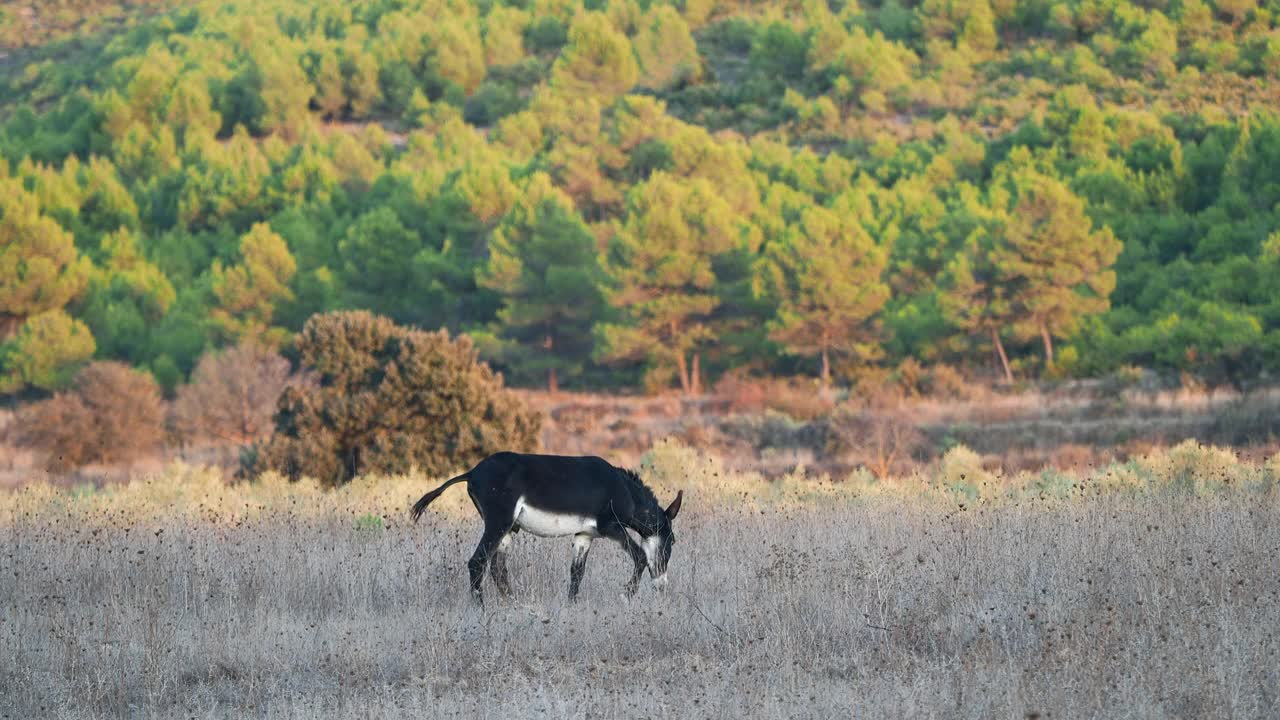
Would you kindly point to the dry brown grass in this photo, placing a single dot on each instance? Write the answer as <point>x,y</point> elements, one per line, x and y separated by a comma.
<point>1139,590</point>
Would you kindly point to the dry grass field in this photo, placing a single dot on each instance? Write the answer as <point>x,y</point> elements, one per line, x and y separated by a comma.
<point>1146,590</point>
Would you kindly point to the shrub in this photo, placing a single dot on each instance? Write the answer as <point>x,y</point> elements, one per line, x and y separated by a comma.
<point>232,395</point>
<point>961,468</point>
<point>490,103</point>
<point>1193,469</point>
<point>877,434</point>
<point>114,414</point>
<point>944,382</point>
<point>546,35</point>
<point>798,399</point>
<point>388,397</point>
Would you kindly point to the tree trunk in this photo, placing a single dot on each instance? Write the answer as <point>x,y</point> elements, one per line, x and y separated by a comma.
<point>553,383</point>
<point>682,364</point>
<point>1048,346</point>
<point>1004,359</point>
<point>681,361</point>
<point>9,325</point>
<point>696,376</point>
<point>826,369</point>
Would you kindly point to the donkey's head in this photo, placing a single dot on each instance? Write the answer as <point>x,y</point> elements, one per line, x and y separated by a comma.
<point>657,546</point>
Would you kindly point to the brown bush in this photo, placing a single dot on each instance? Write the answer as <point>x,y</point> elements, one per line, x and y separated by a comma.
<point>114,414</point>
<point>944,382</point>
<point>912,377</point>
<point>388,397</point>
<point>872,382</point>
<point>231,397</point>
<point>800,399</point>
<point>744,394</point>
<point>1073,456</point>
<point>873,429</point>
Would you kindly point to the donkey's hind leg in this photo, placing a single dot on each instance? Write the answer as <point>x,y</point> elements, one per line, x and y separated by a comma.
<point>489,543</point>
<point>498,565</point>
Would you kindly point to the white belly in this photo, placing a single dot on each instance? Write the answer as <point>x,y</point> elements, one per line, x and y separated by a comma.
<point>549,524</point>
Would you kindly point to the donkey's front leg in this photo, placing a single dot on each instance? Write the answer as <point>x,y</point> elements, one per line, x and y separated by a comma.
<point>581,546</point>
<point>619,534</point>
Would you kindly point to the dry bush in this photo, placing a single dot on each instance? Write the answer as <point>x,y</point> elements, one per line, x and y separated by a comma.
<point>1196,468</point>
<point>874,428</point>
<point>387,398</point>
<point>232,395</point>
<point>743,393</point>
<point>772,429</point>
<point>1071,456</point>
<point>885,442</point>
<point>870,382</point>
<point>944,382</point>
<point>113,415</point>
<point>911,377</point>
<point>799,398</point>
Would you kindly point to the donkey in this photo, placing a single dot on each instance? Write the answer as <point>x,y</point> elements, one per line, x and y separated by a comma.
<point>555,496</point>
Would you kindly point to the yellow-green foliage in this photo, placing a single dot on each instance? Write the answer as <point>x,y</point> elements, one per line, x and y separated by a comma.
<point>1186,470</point>
<point>1199,469</point>
<point>874,181</point>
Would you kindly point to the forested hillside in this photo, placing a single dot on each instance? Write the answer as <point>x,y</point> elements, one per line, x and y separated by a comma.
<point>646,194</point>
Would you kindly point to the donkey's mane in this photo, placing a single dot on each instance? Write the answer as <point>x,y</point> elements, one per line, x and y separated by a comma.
<point>638,488</point>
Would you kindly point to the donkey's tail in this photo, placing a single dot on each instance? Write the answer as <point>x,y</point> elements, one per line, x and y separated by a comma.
<point>426,500</point>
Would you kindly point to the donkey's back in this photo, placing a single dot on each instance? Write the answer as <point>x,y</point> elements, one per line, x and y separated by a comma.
<point>555,483</point>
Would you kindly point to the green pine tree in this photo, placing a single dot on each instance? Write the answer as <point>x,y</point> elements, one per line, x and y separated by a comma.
<point>46,352</point>
<point>247,294</point>
<point>827,275</point>
<point>544,263</point>
<point>662,263</point>
<point>40,269</point>
<point>1057,266</point>
<point>973,297</point>
<point>598,60</point>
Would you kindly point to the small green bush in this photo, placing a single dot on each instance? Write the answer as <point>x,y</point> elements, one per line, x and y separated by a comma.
<point>369,524</point>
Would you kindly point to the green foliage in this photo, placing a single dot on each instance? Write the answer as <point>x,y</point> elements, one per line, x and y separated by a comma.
<point>386,398</point>
<point>827,276</point>
<point>665,49</point>
<point>46,352</point>
<point>40,269</point>
<point>662,262</point>
<point>370,525</point>
<point>1057,267</point>
<point>546,35</point>
<point>598,61</point>
<point>246,294</point>
<point>1036,173</point>
<point>544,264</point>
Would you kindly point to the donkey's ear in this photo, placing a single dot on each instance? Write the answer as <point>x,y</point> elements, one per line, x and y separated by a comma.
<point>674,508</point>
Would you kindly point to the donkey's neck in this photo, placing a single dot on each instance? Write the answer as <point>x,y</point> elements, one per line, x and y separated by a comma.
<point>645,518</point>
